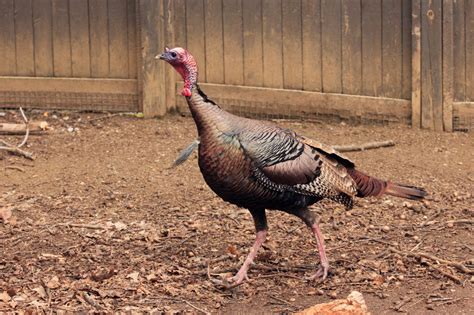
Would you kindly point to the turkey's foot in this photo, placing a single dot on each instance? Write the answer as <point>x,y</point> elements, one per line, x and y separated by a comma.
<point>321,274</point>
<point>240,276</point>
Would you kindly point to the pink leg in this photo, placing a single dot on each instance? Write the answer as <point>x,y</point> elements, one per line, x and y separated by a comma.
<point>242,273</point>
<point>323,270</point>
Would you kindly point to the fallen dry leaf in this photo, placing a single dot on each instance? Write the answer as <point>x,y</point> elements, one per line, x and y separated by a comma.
<point>41,291</point>
<point>5,214</point>
<point>5,297</point>
<point>133,276</point>
<point>53,283</point>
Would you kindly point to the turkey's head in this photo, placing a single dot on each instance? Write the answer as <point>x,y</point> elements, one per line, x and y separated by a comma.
<point>184,63</point>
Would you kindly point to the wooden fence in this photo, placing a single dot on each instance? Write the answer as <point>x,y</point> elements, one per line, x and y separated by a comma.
<point>69,54</point>
<point>409,61</point>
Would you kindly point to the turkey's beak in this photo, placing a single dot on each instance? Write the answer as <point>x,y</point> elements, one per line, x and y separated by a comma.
<point>161,56</point>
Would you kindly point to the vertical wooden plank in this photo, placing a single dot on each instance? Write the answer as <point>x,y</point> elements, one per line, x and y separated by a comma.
<point>372,48</point>
<point>7,38</point>
<point>392,48</point>
<point>469,50</point>
<point>312,63</point>
<point>25,61</point>
<point>331,45</point>
<point>459,51</point>
<point>43,38</point>
<point>180,22</point>
<point>233,42</point>
<point>214,41</point>
<point>118,39</point>
<point>170,73</point>
<point>406,49</point>
<point>448,65</point>
<point>61,39</point>
<point>153,73</point>
<point>272,44</point>
<point>416,64</point>
<point>195,34</point>
<point>99,38</point>
<point>292,42</point>
<point>351,47</point>
<point>132,38</point>
<point>253,48</point>
<point>79,28</point>
<point>431,66</point>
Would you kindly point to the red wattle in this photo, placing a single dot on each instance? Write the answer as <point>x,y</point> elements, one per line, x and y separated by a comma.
<point>186,92</point>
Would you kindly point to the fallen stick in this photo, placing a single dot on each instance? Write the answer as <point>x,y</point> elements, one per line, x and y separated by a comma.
<point>364,146</point>
<point>18,151</point>
<point>454,264</point>
<point>35,127</point>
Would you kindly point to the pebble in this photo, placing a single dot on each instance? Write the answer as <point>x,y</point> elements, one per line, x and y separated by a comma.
<point>450,224</point>
<point>403,217</point>
<point>292,299</point>
<point>333,295</point>
<point>401,277</point>
<point>70,129</point>
<point>416,238</point>
<point>386,228</point>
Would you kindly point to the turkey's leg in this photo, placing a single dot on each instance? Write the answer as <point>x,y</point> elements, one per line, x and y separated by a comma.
<point>323,270</point>
<point>261,228</point>
<point>311,220</point>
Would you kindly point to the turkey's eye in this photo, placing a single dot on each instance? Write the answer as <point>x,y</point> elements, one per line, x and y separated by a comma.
<point>173,54</point>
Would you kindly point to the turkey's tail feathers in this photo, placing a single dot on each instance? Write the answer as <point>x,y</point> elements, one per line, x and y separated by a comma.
<point>405,191</point>
<point>371,186</point>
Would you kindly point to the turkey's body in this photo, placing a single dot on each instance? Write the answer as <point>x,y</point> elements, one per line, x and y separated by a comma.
<point>227,167</point>
<point>258,165</point>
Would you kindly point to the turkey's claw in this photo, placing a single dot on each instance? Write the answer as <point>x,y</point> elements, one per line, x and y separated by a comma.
<point>321,274</point>
<point>240,277</point>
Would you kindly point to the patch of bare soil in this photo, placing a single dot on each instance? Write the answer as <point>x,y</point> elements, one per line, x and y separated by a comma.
<point>99,222</point>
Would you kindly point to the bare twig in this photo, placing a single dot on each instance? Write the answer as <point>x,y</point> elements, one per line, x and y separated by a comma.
<point>14,168</point>
<point>445,273</point>
<point>83,226</point>
<point>364,146</point>
<point>454,264</point>
<point>195,307</point>
<point>18,151</point>
<point>27,127</point>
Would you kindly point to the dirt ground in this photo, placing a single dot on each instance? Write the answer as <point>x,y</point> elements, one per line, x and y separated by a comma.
<point>100,223</point>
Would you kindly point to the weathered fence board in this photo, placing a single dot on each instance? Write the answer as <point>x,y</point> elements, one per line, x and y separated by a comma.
<point>351,47</point>
<point>233,42</point>
<point>61,39</point>
<point>214,41</point>
<point>25,61</point>
<point>292,49</point>
<point>252,45</point>
<point>391,48</point>
<point>43,39</point>
<point>99,39</point>
<point>331,42</point>
<point>272,44</point>
<point>371,47</point>
<point>7,38</point>
<point>459,51</point>
<point>312,63</point>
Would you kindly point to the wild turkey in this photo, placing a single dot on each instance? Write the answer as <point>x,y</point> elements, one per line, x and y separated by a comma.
<point>258,165</point>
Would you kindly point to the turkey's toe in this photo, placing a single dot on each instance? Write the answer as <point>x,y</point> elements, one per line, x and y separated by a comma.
<point>321,274</point>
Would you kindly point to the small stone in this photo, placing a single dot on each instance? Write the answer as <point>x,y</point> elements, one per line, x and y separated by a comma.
<point>292,299</point>
<point>371,227</point>
<point>386,228</point>
<point>333,295</point>
<point>416,238</point>
<point>190,254</point>
<point>450,224</point>
<point>401,277</point>
<point>403,217</point>
<point>70,129</point>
